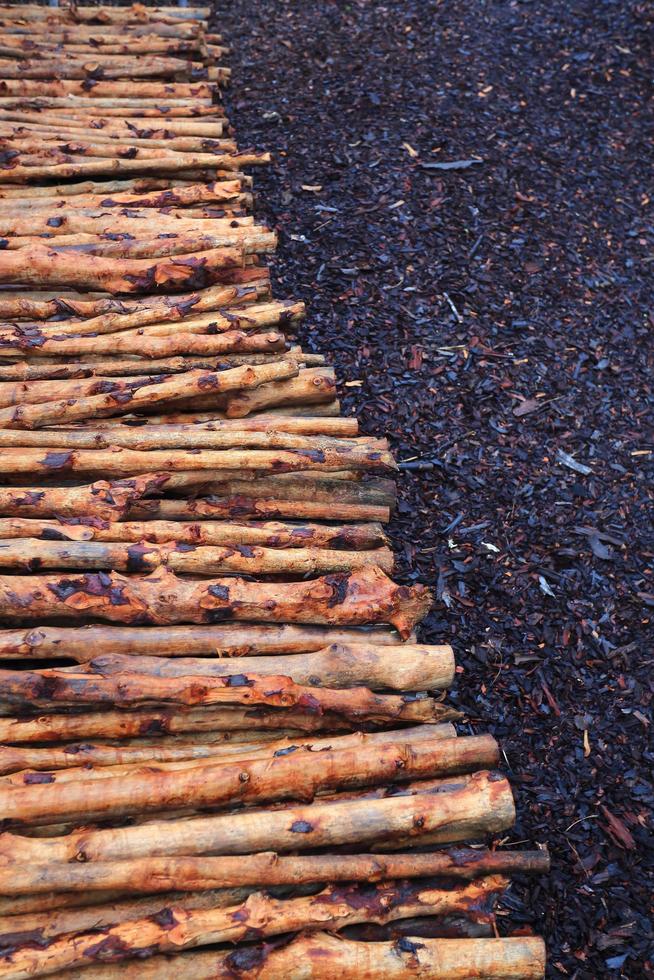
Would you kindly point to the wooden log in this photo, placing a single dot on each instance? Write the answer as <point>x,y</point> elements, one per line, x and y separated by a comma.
<point>121,397</point>
<point>177,306</point>
<point>89,758</point>
<point>231,341</point>
<point>335,906</point>
<point>84,642</point>
<point>216,192</point>
<point>285,777</point>
<point>136,14</point>
<point>158,722</point>
<point>192,754</point>
<point>47,369</point>
<point>267,869</point>
<point>116,462</point>
<point>144,222</point>
<point>48,136</point>
<point>245,314</point>
<point>48,66</point>
<point>405,667</point>
<point>42,392</point>
<point>110,125</point>
<point>89,686</point>
<point>329,410</point>
<point>336,487</point>
<point>323,956</point>
<point>103,48</point>
<point>102,500</point>
<point>23,141</point>
<point>24,905</point>
<point>107,909</point>
<point>30,554</point>
<point>239,500</point>
<point>364,597</point>
<point>113,501</point>
<point>118,107</point>
<point>483,805</point>
<point>268,534</point>
<point>14,197</point>
<point>193,92</point>
<point>21,174</point>
<point>48,265</point>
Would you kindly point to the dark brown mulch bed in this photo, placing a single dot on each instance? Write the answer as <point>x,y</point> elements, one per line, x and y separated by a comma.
<point>494,321</point>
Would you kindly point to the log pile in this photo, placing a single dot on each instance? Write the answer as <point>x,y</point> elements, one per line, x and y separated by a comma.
<point>223,751</point>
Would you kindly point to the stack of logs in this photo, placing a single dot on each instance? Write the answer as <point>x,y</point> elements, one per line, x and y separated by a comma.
<point>217,728</point>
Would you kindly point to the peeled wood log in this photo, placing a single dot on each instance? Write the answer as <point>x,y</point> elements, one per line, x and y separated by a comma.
<point>285,777</point>
<point>18,763</point>
<point>238,500</point>
<point>86,759</point>
<point>47,137</point>
<point>47,369</point>
<point>244,314</point>
<point>121,398</point>
<point>42,392</point>
<point>483,805</point>
<point>107,909</point>
<point>329,410</point>
<point>187,559</point>
<point>19,47</point>
<point>219,470</point>
<point>73,122</point>
<point>366,596</point>
<point>252,241</point>
<point>144,222</point>
<point>269,534</point>
<point>21,174</point>
<point>81,643</point>
<point>12,197</point>
<point>121,107</point>
<point>406,667</point>
<point>310,387</point>
<point>149,19</point>
<point>207,194</point>
<point>126,315</point>
<point>76,66</point>
<point>155,437</point>
<point>48,265</point>
<point>163,307</point>
<point>191,754</point>
<point>24,905</point>
<point>89,686</point>
<point>117,461</point>
<point>350,484</point>
<point>194,92</point>
<point>64,33</point>
<point>335,906</point>
<point>323,956</point>
<point>156,722</point>
<point>266,869</point>
<point>102,500</point>
<point>231,341</point>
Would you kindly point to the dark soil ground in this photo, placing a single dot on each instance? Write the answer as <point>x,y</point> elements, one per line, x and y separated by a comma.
<point>495,323</point>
